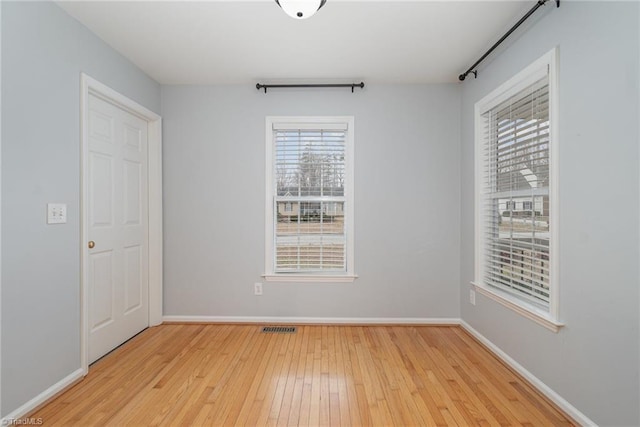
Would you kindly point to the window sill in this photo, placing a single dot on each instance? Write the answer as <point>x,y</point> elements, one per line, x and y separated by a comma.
<point>526,310</point>
<point>310,278</point>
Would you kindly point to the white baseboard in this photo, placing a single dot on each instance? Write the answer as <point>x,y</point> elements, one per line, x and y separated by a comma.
<point>315,320</point>
<point>58,387</point>
<point>544,389</point>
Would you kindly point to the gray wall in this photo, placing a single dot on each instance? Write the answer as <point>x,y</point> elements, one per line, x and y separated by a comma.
<point>43,52</point>
<point>593,361</point>
<point>407,197</point>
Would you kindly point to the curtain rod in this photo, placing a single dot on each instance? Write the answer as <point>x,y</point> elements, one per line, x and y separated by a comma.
<point>351,85</point>
<point>472,69</point>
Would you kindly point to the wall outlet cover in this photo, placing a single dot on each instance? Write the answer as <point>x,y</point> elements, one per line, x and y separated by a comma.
<point>56,213</point>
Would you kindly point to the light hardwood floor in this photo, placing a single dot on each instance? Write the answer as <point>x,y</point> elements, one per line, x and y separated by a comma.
<point>195,375</point>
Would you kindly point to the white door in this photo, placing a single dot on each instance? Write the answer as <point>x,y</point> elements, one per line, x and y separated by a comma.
<point>117,226</point>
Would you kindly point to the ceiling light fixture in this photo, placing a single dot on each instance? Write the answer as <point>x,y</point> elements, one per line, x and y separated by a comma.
<point>301,9</point>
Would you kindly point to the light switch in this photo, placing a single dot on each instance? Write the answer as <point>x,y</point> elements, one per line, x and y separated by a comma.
<point>56,213</point>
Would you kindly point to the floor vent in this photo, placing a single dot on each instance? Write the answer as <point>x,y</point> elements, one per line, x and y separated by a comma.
<point>278,329</point>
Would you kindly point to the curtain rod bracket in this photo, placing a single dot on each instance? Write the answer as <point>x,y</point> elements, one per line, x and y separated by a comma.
<point>463,76</point>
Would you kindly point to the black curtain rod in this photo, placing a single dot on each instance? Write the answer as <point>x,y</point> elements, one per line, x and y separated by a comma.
<point>351,85</point>
<point>472,69</point>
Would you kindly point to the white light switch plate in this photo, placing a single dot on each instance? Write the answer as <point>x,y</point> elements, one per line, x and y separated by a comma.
<point>56,213</point>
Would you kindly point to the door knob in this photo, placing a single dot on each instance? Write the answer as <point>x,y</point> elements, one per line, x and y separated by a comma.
<point>91,244</point>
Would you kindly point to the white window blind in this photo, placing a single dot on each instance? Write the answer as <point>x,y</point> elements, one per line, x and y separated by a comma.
<point>309,201</point>
<point>515,206</point>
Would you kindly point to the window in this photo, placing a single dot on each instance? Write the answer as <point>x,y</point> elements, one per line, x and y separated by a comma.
<point>515,200</point>
<point>309,200</point>
<point>510,205</point>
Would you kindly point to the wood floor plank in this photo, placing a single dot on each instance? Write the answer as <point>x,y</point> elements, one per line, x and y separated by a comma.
<point>282,408</point>
<point>290,411</point>
<point>218,375</point>
<point>340,379</point>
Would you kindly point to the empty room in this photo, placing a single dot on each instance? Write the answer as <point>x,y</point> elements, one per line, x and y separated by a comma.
<point>320,212</point>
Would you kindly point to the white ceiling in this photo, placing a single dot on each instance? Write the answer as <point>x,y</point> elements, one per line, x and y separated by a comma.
<point>227,42</point>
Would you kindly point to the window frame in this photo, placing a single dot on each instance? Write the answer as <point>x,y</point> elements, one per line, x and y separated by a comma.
<point>546,64</point>
<point>270,274</point>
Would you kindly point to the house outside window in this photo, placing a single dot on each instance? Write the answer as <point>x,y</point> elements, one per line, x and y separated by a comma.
<point>309,199</point>
<point>516,197</point>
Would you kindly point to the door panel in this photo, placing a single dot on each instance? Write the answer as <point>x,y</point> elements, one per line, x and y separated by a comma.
<point>132,191</point>
<point>101,126</point>
<point>101,200</point>
<point>133,278</point>
<point>132,138</point>
<point>117,213</point>
<point>101,274</point>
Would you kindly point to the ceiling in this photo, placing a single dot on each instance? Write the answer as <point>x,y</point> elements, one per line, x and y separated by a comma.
<point>241,41</point>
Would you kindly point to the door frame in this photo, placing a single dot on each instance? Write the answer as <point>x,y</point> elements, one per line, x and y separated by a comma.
<point>91,86</point>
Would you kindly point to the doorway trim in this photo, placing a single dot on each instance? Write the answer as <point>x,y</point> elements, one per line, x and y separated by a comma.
<point>91,86</point>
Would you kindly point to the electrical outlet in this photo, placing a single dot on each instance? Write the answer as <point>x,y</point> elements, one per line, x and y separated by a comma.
<point>472,297</point>
<point>257,288</point>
